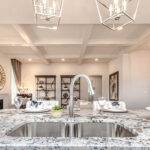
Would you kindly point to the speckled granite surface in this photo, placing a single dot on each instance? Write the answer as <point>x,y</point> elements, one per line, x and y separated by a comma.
<point>133,120</point>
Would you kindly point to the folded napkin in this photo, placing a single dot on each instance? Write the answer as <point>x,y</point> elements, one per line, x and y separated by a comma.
<point>109,105</point>
<point>114,106</point>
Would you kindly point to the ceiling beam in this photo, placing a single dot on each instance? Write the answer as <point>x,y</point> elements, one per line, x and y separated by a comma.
<point>73,43</point>
<point>20,30</point>
<point>142,40</point>
<point>86,38</point>
<point>101,56</point>
<point>97,42</point>
<point>52,56</point>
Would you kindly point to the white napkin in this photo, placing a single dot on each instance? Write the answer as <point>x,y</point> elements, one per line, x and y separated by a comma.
<point>107,105</point>
<point>121,106</point>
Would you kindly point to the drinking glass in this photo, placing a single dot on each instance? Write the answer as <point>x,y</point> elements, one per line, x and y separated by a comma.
<point>101,102</point>
<point>18,102</point>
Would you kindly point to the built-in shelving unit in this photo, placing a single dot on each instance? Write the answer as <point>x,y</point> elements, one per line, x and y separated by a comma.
<point>65,89</point>
<point>45,87</point>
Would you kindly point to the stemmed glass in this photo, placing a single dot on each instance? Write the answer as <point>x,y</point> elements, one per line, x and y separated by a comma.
<point>101,102</point>
<point>18,102</point>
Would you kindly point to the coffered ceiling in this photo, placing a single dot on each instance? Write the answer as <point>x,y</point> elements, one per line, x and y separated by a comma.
<point>78,39</point>
<point>75,43</point>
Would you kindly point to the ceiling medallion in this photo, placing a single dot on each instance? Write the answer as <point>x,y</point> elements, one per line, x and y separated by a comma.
<point>48,13</point>
<point>2,78</point>
<point>115,14</point>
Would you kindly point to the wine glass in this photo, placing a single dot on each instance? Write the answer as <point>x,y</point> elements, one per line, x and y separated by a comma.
<point>18,102</point>
<point>101,102</point>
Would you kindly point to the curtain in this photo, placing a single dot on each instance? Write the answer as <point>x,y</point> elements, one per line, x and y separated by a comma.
<point>16,65</point>
<point>14,89</point>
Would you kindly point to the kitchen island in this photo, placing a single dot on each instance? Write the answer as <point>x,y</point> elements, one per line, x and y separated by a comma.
<point>137,121</point>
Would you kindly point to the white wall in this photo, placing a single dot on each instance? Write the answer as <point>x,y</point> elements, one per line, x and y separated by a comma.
<point>134,78</point>
<point>30,70</point>
<point>97,85</point>
<point>5,93</point>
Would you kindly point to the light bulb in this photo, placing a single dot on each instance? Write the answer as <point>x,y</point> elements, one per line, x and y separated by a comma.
<point>30,59</point>
<point>44,4</point>
<point>116,6</point>
<point>110,9</point>
<point>54,7</point>
<point>96,59</point>
<point>63,59</point>
<point>124,5</point>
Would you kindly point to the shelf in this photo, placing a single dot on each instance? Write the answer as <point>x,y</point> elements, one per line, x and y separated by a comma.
<point>70,83</point>
<point>45,90</point>
<point>45,98</point>
<point>69,98</point>
<point>45,83</point>
<point>48,84</point>
<point>45,76</point>
<point>69,90</point>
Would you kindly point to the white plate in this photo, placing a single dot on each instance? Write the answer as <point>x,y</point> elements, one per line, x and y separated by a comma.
<point>115,111</point>
<point>36,111</point>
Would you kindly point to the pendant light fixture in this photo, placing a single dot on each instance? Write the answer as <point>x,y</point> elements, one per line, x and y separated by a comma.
<point>48,13</point>
<point>115,14</point>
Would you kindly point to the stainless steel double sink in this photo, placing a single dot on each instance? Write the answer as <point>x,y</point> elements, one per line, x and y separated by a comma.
<point>76,130</point>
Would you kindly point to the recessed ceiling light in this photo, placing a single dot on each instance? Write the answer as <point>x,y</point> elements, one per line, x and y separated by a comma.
<point>29,59</point>
<point>63,59</point>
<point>120,28</point>
<point>96,59</point>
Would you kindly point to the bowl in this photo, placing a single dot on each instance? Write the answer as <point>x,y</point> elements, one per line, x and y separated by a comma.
<point>57,113</point>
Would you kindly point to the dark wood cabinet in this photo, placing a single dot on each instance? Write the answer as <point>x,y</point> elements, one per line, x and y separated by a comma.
<point>65,89</point>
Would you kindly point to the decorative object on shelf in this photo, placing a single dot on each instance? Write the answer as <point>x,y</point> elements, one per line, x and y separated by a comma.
<point>46,87</point>
<point>25,96</point>
<point>114,86</point>
<point>66,95</point>
<point>65,89</point>
<point>48,13</point>
<point>115,14</point>
<point>2,78</point>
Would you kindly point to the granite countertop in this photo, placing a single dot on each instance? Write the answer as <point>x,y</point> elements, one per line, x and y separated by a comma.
<point>133,120</point>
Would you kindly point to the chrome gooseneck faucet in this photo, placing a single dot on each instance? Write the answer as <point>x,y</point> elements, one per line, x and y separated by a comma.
<point>90,90</point>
